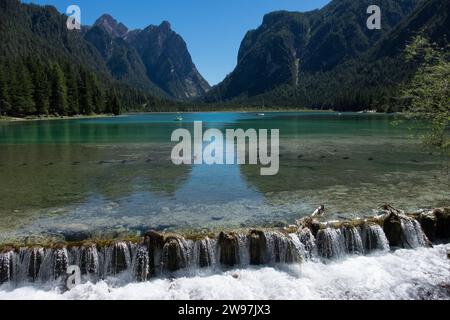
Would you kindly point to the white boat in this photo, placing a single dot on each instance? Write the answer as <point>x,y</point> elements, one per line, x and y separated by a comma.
<point>261,114</point>
<point>178,118</point>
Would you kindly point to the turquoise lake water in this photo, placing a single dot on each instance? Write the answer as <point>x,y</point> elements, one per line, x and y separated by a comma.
<point>113,176</point>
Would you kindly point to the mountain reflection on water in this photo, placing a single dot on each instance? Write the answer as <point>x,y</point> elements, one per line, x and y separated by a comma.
<point>114,176</point>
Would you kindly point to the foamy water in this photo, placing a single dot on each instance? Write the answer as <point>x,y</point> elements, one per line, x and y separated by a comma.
<point>405,274</point>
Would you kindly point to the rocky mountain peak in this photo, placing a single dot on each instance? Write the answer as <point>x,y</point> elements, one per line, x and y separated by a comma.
<point>112,26</point>
<point>165,25</point>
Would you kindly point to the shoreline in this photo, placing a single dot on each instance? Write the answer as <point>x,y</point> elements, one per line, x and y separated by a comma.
<point>54,118</point>
<point>95,116</point>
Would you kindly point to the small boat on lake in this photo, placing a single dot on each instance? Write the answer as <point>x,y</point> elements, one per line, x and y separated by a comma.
<point>179,118</point>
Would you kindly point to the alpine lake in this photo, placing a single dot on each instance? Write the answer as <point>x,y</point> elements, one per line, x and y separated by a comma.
<point>114,177</point>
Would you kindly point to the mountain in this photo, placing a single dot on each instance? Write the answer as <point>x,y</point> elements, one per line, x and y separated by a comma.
<point>370,79</point>
<point>431,19</point>
<point>168,61</point>
<point>153,57</point>
<point>41,31</point>
<point>122,60</point>
<point>114,28</point>
<point>47,69</point>
<point>289,45</point>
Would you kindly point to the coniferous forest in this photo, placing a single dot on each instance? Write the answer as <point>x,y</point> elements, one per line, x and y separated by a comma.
<point>46,69</point>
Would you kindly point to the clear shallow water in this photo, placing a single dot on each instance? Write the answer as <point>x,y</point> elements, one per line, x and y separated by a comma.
<point>405,274</point>
<point>113,176</point>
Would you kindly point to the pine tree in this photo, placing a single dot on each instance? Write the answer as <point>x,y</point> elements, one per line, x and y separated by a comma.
<point>85,93</point>
<point>41,93</point>
<point>73,98</point>
<point>113,104</point>
<point>58,98</point>
<point>97,96</point>
<point>4,96</point>
<point>22,91</point>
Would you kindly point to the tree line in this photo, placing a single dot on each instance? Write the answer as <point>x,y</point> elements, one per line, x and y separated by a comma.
<point>37,87</point>
<point>31,87</point>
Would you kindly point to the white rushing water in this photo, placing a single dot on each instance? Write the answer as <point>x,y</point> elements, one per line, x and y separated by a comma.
<point>421,273</point>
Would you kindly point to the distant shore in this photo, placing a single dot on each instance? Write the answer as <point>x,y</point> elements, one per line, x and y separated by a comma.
<point>51,117</point>
<point>45,118</point>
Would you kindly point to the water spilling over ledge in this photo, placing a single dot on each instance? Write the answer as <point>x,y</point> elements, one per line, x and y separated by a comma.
<point>165,255</point>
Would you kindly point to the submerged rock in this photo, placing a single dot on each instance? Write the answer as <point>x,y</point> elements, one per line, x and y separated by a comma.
<point>257,247</point>
<point>154,242</point>
<point>443,223</point>
<point>205,253</point>
<point>435,224</point>
<point>429,223</point>
<point>313,225</point>
<point>404,232</point>
<point>174,254</point>
<point>228,249</point>
<point>392,228</point>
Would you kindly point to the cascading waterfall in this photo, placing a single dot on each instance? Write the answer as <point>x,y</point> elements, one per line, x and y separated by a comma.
<point>54,264</point>
<point>413,235</point>
<point>176,254</point>
<point>404,232</point>
<point>6,266</point>
<point>330,243</point>
<point>141,266</point>
<point>284,248</point>
<point>243,250</point>
<point>118,258</point>
<point>257,243</point>
<point>154,243</point>
<point>163,255</point>
<point>353,241</point>
<point>308,241</point>
<point>205,252</point>
<point>373,238</point>
<point>89,261</point>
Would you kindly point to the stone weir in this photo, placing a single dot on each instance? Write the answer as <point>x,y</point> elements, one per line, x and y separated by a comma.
<point>168,255</point>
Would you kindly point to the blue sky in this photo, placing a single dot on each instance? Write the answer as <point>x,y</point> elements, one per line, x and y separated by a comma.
<point>212,29</point>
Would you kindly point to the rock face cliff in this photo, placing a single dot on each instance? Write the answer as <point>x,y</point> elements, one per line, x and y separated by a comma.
<point>122,60</point>
<point>168,62</point>
<point>155,57</point>
<point>289,44</point>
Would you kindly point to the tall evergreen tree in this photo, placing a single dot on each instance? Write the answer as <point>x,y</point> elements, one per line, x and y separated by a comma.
<point>4,95</point>
<point>22,91</point>
<point>73,98</point>
<point>85,92</point>
<point>41,82</point>
<point>98,101</point>
<point>113,104</point>
<point>58,98</point>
